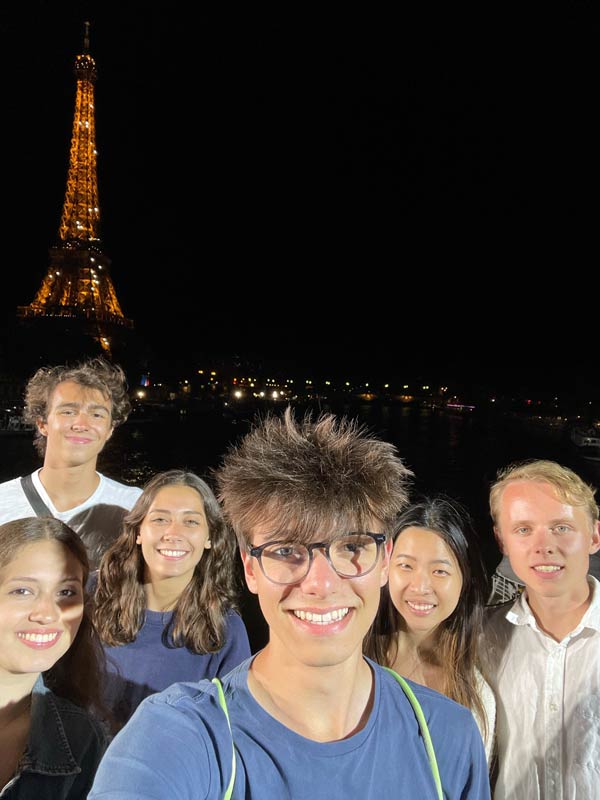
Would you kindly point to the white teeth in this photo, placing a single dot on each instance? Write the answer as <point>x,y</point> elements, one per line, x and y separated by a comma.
<point>420,606</point>
<point>322,619</point>
<point>172,553</point>
<point>547,568</point>
<point>39,638</point>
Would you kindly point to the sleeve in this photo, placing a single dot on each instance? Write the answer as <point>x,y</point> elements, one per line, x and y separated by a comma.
<point>237,645</point>
<point>164,751</point>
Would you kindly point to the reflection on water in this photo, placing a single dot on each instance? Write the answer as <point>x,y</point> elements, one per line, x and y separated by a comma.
<point>458,454</point>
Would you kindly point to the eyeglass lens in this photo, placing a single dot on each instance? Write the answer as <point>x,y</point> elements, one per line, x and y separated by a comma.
<point>351,556</point>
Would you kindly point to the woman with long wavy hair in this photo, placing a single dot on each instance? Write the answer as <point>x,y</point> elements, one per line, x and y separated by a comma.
<point>51,664</point>
<point>166,593</point>
<point>431,611</point>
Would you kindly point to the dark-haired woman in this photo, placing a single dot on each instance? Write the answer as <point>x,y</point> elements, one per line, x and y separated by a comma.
<point>431,611</point>
<point>50,665</point>
<point>166,596</point>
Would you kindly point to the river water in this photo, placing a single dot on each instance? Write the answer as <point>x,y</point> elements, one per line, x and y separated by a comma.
<point>456,453</point>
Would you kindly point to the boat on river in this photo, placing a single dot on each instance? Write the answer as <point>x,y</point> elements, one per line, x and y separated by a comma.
<point>587,441</point>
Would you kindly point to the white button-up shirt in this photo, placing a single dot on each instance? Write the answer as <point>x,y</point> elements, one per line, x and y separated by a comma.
<point>547,704</point>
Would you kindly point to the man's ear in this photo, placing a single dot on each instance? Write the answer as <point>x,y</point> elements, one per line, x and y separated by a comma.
<point>595,543</point>
<point>387,554</point>
<point>250,564</point>
<point>41,426</point>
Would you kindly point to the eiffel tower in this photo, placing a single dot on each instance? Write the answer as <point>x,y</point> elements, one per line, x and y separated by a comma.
<point>77,295</point>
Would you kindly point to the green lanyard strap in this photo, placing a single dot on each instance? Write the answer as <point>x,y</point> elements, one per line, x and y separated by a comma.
<point>223,704</point>
<point>412,700</point>
<point>424,730</point>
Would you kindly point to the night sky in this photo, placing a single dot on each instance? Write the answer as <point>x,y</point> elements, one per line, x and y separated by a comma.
<point>367,192</point>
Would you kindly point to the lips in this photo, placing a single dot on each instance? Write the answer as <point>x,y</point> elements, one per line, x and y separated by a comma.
<point>172,554</point>
<point>39,640</point>
<point>420,607</point>
<point>328,618</point>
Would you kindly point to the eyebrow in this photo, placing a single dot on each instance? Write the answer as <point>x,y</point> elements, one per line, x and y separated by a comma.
<point>69,579</point>
<point>170,511</point>
<point>433,560</point>
<point>84,405</point>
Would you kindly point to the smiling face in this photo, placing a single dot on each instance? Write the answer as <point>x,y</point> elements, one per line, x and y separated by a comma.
<point>425,579</point>
<point>41,607</point>
<point>78,425</point>
<point>321,620</point>
<point>547,541</point>
<point>173,534</point>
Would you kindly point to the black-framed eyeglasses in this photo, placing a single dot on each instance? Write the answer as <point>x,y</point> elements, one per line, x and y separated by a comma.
<point>351,555</point>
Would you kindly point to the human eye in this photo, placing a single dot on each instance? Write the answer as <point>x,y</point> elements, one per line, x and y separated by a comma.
<point>192,523</point>
<point>69,592</point>
<point>404,565</point>
<point>21,591</point>
<point>158,520</point>
<point>441,572</point>
<point>522,530</point>
<point>561,528</point>
<point>289,553</point>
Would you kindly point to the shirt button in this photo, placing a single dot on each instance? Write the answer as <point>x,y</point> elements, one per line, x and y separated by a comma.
<point>553,707</point>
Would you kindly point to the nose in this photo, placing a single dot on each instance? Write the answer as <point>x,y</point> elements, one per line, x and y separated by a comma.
<point>543,540</point>
<point>322,579</point>
<point>172,531</point>
<point>44,610</point>
<point>80,421</point>
<point>420,582</point>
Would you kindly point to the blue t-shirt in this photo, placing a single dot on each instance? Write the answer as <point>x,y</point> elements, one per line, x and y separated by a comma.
<point>177,745</point>
<point>147,665</point>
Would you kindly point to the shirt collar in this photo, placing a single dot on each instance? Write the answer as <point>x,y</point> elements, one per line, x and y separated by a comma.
<point>520,613</point>
<point>48,750</point>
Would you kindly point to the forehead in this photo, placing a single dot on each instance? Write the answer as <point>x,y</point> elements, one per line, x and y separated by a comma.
<point>300,533</point>
<point>69,392</point>
<point>530,500</point>
<point>423,544</point>
<point>45,561</point>
<point>177,496</point>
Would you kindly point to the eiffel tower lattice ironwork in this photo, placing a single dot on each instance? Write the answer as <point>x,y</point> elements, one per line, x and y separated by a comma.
<point>77,285</point>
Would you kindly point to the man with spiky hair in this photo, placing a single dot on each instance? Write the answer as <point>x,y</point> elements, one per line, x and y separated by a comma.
<point>308,716</point>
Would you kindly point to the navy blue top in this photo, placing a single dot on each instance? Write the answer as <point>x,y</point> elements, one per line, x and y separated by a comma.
<point>147,665</point>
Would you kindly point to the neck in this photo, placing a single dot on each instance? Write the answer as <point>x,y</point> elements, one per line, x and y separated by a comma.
<point>69,486</point>
<point>416,658</point>
<point>15,696</point>
<point>322,703</point>
<point>558,616</point>
<point>163,594</point>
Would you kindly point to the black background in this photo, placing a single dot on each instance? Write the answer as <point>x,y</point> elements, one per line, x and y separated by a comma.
<point>368,191</point>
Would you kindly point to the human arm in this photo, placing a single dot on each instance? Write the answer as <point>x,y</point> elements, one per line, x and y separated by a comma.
<point>168,749</point>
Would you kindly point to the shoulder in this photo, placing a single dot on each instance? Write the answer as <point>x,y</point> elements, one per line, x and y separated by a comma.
<point>120,490</point>
<point>85,734</point>
<point>171,746</point>
<point>11,492</point>
<point>234,622</point>
<point>432,702</point>
<point>78,716</point>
